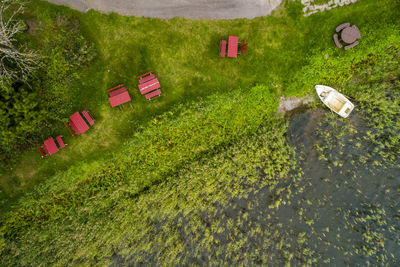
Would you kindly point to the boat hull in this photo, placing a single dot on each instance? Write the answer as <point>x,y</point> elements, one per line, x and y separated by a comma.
<point>334,100</point>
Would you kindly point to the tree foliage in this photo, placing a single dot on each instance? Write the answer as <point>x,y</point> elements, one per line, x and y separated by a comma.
<point>20,116</point>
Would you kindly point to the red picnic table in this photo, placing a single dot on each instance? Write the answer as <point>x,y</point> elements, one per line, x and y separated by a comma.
<point>49,146</point>
<point>78,124</point>
<point>118,95</point>
<point>233,47</point>
<point>148,84</point>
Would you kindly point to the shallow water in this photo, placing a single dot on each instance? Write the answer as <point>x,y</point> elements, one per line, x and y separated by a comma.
<point>358,202</point>
<point>337,208</point>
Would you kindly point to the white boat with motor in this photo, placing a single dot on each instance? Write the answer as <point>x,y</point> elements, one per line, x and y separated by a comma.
<point>334,100</point>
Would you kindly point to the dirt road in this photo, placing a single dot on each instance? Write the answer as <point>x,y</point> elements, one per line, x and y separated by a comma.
<point>194,9</point>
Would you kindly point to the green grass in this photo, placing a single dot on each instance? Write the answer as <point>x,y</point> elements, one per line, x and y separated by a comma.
<point>208,104</point>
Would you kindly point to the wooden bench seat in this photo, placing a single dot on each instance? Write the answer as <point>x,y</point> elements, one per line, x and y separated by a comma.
<point>351,45</point>
<point>222,48</point>
<point>153,94</point>
<point>60,141</point>
<point>147,78</point>
<point>117,92</point>
<point>41,152</point>
<point>87,116</point>
<point>46,151</point>
<point>116,87</point>
<point>69,129</point>
<point>337,41</point>
<point>342,26</point>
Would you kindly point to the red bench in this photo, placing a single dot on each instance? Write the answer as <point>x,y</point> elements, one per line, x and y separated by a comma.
<point>147,73</point>
<point>117,92</point>
<point>41,152</point>
<point>45,150</point>
<point>116,87</point>
<point>69,129</point>
<point>147,78</point>
<point>60,141</point>
<point>87,116</point>
<point>222,48</point>
<point>153,94</point>
<point>243,47</point>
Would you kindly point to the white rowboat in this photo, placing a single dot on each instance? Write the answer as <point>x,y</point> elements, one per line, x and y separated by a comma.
<point>334,100</point>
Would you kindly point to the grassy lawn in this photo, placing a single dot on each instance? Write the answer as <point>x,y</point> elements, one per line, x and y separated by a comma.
<point>208,104</point>
<point>183,54</point>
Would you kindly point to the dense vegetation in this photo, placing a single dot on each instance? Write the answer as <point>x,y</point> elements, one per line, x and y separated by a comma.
<point>217,145</point>
<point>35,108</point>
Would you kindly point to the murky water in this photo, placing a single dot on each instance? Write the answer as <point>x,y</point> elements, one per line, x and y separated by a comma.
<point>356,203</point>
<point>342,207</point>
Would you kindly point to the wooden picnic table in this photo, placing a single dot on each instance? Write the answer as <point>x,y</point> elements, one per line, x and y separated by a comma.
<point>148,85</point>
<point>119,97</point>
<point>350,34</point>
<point>233,46</point>
<point>50,146</point>
<point>78,123</point>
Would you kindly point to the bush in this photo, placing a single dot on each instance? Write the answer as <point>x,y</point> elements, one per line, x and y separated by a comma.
<point>21,117</point>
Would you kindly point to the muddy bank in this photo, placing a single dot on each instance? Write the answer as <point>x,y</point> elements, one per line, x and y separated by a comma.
<point>292,102</point>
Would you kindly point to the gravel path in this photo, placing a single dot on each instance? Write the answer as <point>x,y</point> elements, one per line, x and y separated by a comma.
<point>194,9</point>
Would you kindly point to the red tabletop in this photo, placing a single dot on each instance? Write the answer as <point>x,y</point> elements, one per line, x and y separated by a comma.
<point>50,146</point>
<point>149,86</point>
<point>119,99</point>
<point>233,46</point>
<point>77,122</point>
